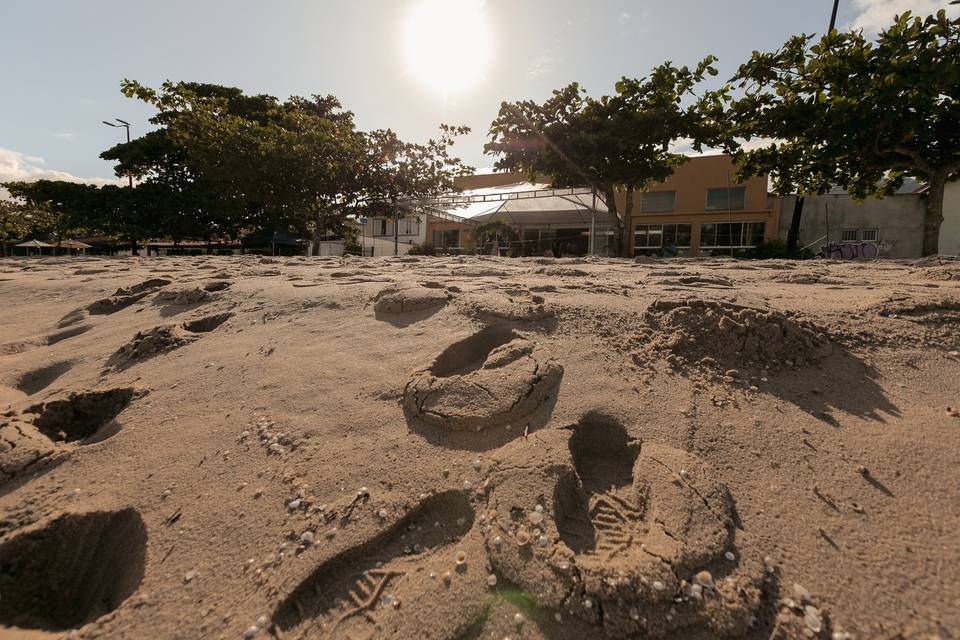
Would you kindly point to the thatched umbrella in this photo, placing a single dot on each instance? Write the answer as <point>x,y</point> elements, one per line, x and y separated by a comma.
<point>75,244</point>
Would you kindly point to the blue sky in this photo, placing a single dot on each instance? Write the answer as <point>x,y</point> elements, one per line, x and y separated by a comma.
<point>64,59</point>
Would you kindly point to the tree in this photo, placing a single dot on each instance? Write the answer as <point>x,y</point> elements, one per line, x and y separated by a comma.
<point>862,115</point>
<point>615,143</point>
<point>53,210</point>
<point>16,222</point>
<point>300,163</point>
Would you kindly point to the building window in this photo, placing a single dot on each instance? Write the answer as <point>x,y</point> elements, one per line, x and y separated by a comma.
<point>726,199</point>
<point>658,201</point>
<point>382,227</point>
<point>446,239</point>
<point>860,235</point>
<point>651,238</point>
<point>731,235</point>
<point>409,227</point>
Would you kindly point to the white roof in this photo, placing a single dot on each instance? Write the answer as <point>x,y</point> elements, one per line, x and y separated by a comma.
<point>520,197</point>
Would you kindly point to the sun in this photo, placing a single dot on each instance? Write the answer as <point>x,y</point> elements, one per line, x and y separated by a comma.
<point>448,43</point>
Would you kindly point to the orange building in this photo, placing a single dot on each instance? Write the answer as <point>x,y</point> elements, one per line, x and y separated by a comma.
<point>702,210</point>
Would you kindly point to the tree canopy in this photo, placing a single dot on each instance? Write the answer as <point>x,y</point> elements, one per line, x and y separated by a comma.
<point>846,111</point>
<point>611,143</point>
<point>220,162</point>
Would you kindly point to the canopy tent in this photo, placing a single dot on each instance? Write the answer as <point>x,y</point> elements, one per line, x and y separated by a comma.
<point>542,215</point>
<point>34,244</point>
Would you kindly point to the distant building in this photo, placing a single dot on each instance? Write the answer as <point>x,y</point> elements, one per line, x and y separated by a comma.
<point>702,210</point>
<point>950,229</point>
<point>894,223</point>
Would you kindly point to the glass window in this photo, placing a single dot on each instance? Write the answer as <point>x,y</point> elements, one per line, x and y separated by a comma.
<point>708,235</point>
<point>870,235</point>
<point>731,235</point>
<point>658,201</point>
<point>382,227</point>
<point>654,236</point>
<point>848,235</point>
<point>726,199</point>
<point>446,238</point>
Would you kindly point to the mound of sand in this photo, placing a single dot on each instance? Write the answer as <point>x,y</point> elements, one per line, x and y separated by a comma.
<point>148,344</point>
<point>399,299</point>
<point>726,336</point>
<point>493,378</point>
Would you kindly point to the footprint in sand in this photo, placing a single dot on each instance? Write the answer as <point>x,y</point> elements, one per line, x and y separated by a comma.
<point>358,592</point>
<point>44,434</point>
<point>492,378</point>
<point>72,570</point>
<point>153,342</point>
<point>639,539</point>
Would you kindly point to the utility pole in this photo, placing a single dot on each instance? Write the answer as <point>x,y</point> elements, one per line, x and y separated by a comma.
<point>793,235</point>
<point>396,228</point>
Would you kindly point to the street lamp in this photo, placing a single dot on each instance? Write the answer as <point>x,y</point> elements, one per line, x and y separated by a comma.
<point>833,16</point>
<point>123,125</point>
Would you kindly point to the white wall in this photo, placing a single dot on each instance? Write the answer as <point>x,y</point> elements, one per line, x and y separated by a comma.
<point>378,232</point>
<point>950,228</point>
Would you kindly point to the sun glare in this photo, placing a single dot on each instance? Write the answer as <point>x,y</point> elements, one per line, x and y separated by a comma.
<point>448,43</point>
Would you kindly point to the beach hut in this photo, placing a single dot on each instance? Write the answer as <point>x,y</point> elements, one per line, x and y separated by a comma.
<point>29,245</point>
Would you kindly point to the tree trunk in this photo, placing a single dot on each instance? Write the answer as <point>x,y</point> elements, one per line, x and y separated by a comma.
<point>626,220</point>
<point>611,197</point>
<point>934,216</point>
<point>134,249</point>
<point>317,234</point>
<point>793,236</point>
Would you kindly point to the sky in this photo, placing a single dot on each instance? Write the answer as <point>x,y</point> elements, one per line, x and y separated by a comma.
<point>63,60</point>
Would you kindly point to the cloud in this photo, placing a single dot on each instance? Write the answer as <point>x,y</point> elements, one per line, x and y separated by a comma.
<point>16,167</point>
<point>541,65</point>
<point>624,17</point>
<point>876,15</point>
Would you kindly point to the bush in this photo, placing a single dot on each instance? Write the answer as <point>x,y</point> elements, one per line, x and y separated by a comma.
<point>425,249</point>
<point>772,250</point>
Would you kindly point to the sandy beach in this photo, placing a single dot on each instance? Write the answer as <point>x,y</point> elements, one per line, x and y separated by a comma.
<point>472,447</point>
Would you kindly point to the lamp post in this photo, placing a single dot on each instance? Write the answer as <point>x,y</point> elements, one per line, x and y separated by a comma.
<point>123,125</point>
<point>833,16</point>
<point>126,125</point>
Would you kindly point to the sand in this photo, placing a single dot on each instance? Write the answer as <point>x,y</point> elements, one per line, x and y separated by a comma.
<point>464,448</point>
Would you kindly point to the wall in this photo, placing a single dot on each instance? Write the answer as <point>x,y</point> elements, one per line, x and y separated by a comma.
<point>899,219</point>
<point>950,229</point>
<point>488,180</point>
<point>692,179</point>
<point>383,245</point>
